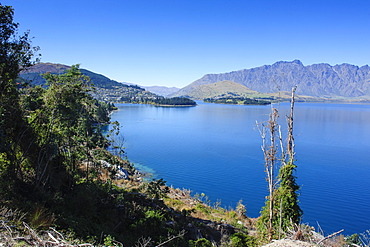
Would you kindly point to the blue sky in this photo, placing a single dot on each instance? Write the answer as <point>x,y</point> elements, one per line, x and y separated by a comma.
<point>173,43</point>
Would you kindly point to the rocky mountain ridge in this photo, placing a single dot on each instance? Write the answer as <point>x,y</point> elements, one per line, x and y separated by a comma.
<point>317,80</point>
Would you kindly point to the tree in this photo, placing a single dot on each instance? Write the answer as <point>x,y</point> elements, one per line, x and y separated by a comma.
<point>287,193</point>
<point>268,217</point>
<point>16,53</point>
<point>66,123</point>
<point>282,209</point>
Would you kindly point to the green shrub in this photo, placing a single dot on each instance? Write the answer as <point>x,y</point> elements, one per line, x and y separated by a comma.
<point>40,218</point>
<point>202,208</point>
<point>202,242</point>
<point>155,189</point>
<point>108,241</point>
<point>232,214</point>
<point>241,240</point>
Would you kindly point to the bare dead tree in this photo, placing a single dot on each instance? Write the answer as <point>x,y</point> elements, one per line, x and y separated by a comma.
<point>282,204</point>
<point>270,155</point>
<point>290,144</point>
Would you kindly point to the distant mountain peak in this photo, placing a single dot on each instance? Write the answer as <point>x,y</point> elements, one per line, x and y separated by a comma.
<point>296,61</point>
<point>287,63</point>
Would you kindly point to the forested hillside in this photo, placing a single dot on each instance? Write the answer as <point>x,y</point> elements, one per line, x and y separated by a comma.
<point>33,75</point>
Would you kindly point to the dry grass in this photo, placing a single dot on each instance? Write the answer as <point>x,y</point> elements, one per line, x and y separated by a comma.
<point>14,232</point>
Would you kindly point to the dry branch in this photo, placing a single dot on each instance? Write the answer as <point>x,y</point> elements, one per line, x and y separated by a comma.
<point>182,233</point>
<point>329,236</point>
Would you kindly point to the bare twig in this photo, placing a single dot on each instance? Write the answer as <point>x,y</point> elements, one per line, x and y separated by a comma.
<point>182,233</point>
<point>143,242</point>
<point>319,229</point>
<point>53,238</point>
<point>365,238</point>
<point>329,236</point>
<point>58,233</point>
<point>33,233</point>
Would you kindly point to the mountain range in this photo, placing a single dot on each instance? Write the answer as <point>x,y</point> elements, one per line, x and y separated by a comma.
<point>344,81</point>
<point>314,82</point>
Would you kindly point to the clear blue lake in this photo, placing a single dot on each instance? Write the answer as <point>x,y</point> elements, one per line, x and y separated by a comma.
<point>215,149</point>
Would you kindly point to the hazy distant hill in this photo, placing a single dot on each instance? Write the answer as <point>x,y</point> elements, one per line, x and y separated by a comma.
<point>317,80</point>
<point>161,90</point>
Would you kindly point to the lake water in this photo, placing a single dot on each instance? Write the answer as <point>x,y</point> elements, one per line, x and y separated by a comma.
<point>216,150</point>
